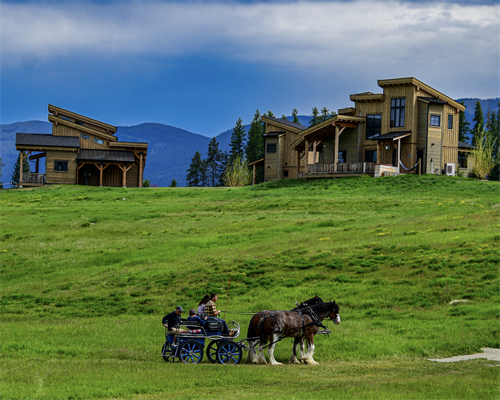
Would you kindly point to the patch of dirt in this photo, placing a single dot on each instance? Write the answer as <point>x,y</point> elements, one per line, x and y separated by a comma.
<point>489,354</point>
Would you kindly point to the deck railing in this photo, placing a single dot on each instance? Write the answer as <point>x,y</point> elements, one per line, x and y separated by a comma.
<point>342,168</point>
<point>33,178</point>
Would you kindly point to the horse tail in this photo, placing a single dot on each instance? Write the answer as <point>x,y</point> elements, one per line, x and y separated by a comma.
<point>251,329</point>
<point>262,334</point>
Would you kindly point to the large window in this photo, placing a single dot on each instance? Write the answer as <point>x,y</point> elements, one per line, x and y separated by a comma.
<point>373,125</point>
<point>435,120</point>
<point>61,166</point>
<point>397,113</point>
<point>450,121</point>
<point>462,160</point>
<point>342,157</point>
<point>371,156</point>
<point>271,148</point>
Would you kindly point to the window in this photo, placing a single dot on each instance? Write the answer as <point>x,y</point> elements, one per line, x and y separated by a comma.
<point>64,117</point>
<point>79,122</point>
<point>462,160</point>
<point>371,156</point>
<point>373,124</point>
<point>397,113</point>
<point>84,136</point>
<point>98,141</point>
<point>450,121</point>
<point>271,148</point>
<point>61,166</point>
<point>435,120</point>
<point>285,173</point>
<point>342,157</point>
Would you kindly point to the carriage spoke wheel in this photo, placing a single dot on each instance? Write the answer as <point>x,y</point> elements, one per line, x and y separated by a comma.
<point>229,353</point>
<point>191,352</point>
<point>167,353</point>
<point>212,351</point>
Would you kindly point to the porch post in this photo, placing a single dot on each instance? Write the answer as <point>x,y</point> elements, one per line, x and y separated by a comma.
<point>336,151</point>
<point>140,169</point>
<point>21,167</point>
<point>253,178</point>
<point>298,162</point>
<point>100,174</point>
<point>399,156</point>
<point>315,144</point>
<point>306,156</point>
<point>124,176</point>
<point>379,149</point>
<point>36,166</point>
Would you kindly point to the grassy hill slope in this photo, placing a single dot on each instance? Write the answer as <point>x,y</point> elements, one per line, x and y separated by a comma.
<point>87,274</point>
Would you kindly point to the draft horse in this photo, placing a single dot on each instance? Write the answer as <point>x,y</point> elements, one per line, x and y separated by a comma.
<point>279,324</point>
<point>253,330</point>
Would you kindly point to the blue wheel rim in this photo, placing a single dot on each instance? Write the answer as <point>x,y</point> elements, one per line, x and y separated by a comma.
<point>191,353</point>
<point>229,354</point>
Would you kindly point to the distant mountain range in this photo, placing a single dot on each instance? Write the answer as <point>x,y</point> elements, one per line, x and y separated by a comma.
<point>170,149</point>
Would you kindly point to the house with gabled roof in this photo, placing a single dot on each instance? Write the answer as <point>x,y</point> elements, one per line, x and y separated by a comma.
<point>81,151</point>
<point>408,128</point>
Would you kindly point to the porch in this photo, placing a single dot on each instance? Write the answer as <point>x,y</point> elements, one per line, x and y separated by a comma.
<point>343,169</point>
<point>32,179</point>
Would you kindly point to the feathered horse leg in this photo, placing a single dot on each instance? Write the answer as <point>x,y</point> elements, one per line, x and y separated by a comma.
<point>270,352</point>
<point>308,358</point>
<point>294,359</point>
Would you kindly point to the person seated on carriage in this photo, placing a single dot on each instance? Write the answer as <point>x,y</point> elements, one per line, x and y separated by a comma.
<point>194,317</point>
<point>212,311</point>
<point>201,305</point>
<point>172,322</point>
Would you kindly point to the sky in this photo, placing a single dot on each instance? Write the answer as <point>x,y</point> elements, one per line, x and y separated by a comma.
<point>201,65</point>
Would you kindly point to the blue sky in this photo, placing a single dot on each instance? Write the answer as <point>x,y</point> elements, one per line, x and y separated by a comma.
<point>202,65</point>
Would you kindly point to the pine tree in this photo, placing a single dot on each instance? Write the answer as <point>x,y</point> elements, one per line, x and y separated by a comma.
<point>173,183</point>
<point>478,123</point>
<point>26,167</point>
<point>315,117</point>
<point>224,161</point>
<point>295,114</point>
<point>1,173</point>
<point>254,148</point>
<point>195,170</point>
<point>284,117</point>
<point>237,143</point>
<point>269,114</point>
<point>214,158</point>
<point>463,127</point>
<point>203,173</point>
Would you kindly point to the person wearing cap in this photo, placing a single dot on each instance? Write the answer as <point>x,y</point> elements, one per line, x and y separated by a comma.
<point>173,321</point>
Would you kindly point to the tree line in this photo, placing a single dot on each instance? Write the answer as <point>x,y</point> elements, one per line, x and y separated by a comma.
<point>230,168</point>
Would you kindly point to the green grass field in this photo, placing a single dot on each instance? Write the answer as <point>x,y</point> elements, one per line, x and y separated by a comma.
<point>87,274</point>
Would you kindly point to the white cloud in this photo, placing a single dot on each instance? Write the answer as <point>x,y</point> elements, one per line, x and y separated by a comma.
<point>389,35</point>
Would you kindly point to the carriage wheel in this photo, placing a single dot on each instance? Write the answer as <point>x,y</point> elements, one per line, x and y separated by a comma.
<point>229,353</point>
<point>191,352</point>
<point>167,353</point>
<point>212,351</point>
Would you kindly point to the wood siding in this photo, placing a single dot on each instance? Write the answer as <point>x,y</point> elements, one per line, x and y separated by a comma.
<point>60,177</point>
<point>62,130</point>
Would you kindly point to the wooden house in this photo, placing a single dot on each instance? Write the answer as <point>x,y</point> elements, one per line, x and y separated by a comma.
<point>81,151</point>
<point>409,127</point>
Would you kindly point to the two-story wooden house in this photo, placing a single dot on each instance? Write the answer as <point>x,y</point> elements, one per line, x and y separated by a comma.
<point>81,151</point>
<point>409,126</point>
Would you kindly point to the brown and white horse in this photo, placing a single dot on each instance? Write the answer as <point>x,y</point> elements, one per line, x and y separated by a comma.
<point>253,331</point>
<point>279,324</point>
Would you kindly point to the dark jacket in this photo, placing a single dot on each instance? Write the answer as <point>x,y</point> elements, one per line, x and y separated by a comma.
<point>172,320</point>
<point>196,318</point>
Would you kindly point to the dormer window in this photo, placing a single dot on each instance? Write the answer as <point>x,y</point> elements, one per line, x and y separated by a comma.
<point>98,141</point>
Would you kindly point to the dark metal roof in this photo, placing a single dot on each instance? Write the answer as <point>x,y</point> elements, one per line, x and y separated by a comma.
<point>47,140</point>
<point>463,145</point>
<point>106,155</point>
<point>286,122</point>
<point>433,100</point>
<point>390,135</point>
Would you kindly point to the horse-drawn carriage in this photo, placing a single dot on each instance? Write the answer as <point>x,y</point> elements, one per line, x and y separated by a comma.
<point>189,347</point>
<point>266,328</point>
